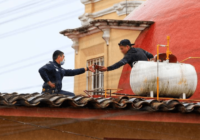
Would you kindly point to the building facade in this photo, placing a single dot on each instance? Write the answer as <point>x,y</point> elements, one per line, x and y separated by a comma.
<point>97,42</point>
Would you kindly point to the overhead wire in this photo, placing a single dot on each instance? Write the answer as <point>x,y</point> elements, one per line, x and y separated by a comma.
<point>101,6</point>
<point>28,65</point>
<point>3,1</point>
<point>39,24</point>
<point>35,12</point>
<point>32,57</point>
<point>30,4</point>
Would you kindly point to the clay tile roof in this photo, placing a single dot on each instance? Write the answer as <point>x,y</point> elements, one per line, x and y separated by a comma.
<point>80,101</point>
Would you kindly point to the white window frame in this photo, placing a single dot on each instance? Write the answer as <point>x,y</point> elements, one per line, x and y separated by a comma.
<point>95,81</point>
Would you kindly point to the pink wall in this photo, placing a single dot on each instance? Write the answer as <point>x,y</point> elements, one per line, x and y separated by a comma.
<point>180,19</point>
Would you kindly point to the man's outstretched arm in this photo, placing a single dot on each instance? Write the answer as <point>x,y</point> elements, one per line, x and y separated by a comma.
<point>74,72</point>
<point>114,66</point>
<point>78,71</point>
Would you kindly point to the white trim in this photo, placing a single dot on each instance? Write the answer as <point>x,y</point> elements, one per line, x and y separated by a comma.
<point>75,44</point>
<point>86,18</point>
<point>119,8</point>
<point>89,1</point>
<point>106,35</point>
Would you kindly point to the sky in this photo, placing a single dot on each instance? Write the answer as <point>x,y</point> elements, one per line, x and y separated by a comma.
<point>29,34</point>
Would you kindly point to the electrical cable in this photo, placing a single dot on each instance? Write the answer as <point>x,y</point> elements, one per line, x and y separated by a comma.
<point>27,28</point>
<point>21,7</point>
<point>28,65</point>
<point>32,57</point>
<point>3,1</point>
<point>38,11</point>
<point>5,12</point>
<point>39,24</point>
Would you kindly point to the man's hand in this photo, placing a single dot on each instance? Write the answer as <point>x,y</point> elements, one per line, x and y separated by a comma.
<point>90,68</point>
<point>102,68</point>
<point>52,85</point>
<point>153,59</point>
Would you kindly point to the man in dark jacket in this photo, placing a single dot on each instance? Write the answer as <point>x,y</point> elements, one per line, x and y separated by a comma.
<point>131,55</point>
<point>52,73</point>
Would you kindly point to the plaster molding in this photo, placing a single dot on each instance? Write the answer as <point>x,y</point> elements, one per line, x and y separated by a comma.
<point>89,1</point>
<point>75,44</point>
<point>119,8</point>
<point>86,18</point>
<point>106,35</point>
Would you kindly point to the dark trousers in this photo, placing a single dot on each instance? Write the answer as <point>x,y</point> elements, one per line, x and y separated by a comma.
<point>52,91</point>
<point>66,93</point>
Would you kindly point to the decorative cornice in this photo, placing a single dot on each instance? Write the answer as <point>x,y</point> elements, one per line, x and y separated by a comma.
<point>104,26</point>
<point>89,1</point>
<point>86,18</point>
<point>119,8</point>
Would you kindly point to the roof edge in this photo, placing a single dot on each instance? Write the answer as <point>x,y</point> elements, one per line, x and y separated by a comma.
<point>108,22</point>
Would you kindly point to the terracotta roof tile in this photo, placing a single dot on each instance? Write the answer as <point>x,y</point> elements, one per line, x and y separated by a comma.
<point>80,101</point>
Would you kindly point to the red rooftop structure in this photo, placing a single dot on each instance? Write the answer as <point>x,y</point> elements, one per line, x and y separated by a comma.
<point>180,20</point>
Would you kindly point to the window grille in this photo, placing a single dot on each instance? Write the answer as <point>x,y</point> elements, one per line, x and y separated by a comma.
<point>95,81</point>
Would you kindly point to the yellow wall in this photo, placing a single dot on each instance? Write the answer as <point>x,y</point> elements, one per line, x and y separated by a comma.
<point>103,4</point>
<point>98,6</point>
<point>93,46</point>
<point>114,54</point>
<point>112,16</point>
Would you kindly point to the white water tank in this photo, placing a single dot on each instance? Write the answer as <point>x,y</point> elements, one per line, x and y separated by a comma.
<point>175,79</point>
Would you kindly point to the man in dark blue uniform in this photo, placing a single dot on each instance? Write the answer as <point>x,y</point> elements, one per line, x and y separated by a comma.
<point>52,73</point>
<point>131,55</point>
